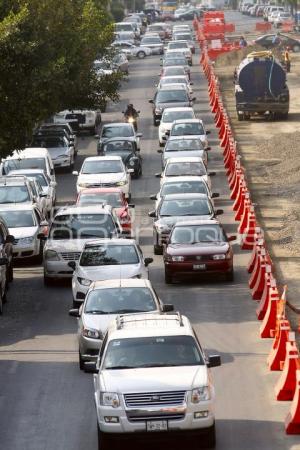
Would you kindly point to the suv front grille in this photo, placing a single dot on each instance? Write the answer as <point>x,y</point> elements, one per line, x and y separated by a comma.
<point>70,256</point>
<point>168,398</point>
<point>156,417</point>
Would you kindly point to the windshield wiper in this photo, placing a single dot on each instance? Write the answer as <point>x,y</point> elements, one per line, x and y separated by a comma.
<point>119,367</point>
<point>124,311</point>
<point>98,311</point>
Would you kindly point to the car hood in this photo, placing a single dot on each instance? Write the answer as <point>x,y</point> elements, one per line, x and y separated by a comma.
<point>102,178</point>
<point>22,232</point>
<point>172,105</point>
<point>57,151</point>
<point>168,222</point>
<point>99,273</point>
<point>201,248</point>
<point>184,153</point>
<point>66,245</point>
<point>154,379</point>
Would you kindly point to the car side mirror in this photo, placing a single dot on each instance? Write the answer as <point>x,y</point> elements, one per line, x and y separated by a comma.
<point>167,133</point>
<point>75,172</point>
<point>74,313</point>
<point>3,261</point>
<point>130,170</point>
<point>207,149</point>
<point>150,101</point>
<point>194,99</point>
<point>152,214</point>
<point>208,132</point>
<point>148,261</point>
<point>72,264</point>
<point>139,135</point>
<point>214,361</point>
<point>153,197</point>
<point>91,367</point>
<point>158,175</point>
<point>9,239</point>
<point>231,238</point>
<point>211,174</point>
<point>159,150</point>
<point>219,212</point>
<point>167,307</point>
<point>215,195</point>
<point>53,183</point>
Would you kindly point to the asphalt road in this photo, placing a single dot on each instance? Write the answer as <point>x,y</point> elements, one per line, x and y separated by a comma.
<point>46,403</point>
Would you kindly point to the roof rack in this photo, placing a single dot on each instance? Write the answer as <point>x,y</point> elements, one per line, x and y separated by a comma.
<point>121,319</point>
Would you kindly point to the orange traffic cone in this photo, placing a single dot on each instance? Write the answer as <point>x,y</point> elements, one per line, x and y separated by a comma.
<point>285,387</point>
<point>292,421</point>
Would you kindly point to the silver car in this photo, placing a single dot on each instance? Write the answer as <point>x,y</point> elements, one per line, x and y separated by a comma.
<point>103,302</point>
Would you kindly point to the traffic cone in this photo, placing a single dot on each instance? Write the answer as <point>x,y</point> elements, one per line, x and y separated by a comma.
<point>235,190</point>
<point>292,420</point>
<point>258,288</point>
<point>286,385</point>
<point>247,241</point>
<point>278,350</point>
<point>259,244</point>
<point>270,291</point>
<point>244,220</point>
<point>257,267</point>
<point>275,311</point>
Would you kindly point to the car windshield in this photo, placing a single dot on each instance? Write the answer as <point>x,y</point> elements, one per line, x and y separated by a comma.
<point>187,145</point>
<point>24,163</point>
<point>171,71</point>
<point>183,37</point>
<point>169,117</point>
<point>14,194</point>
<point>109,255</point>
<point>151,41</point>
<point>185,168</point>
<point>186,207</point>
<point>185,129</point>
<point>118,146</point>
<point>173,80</point>
<point>44,141</point>
<point>172,61</point>
<point>182,45</point>
<point>120,300</point>
<point>179,53</point>
<point>156,28</point>
<point>197,233</point>
<point>103,166</point>
<point>40,177</point>
<point>18,219</point>
<point>175,96</point>
<point>184,187</point>
<point>119,131</point>
<point>123,27</point>
<point>109,198</point>
<point>82,226</point>
<point>156,351</point>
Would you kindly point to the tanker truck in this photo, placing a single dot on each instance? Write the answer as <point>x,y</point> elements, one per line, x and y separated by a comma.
<point>260,87</point>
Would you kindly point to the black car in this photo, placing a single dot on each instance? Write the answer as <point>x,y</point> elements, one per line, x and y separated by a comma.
<point>189,15</point>
<point>127,149</point>
<point>169,98</point>
<point>285,41</point>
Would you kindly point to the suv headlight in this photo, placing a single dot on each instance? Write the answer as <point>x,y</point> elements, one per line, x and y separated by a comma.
<point>83,185</point>
<point>201,394</point>
<point>51,255</point>
<point>121,183</point>
<point>84,281</point>
<point>26,240</point>
<point>109,399</point>
<point>92,333</point>
<point>219,257</point>
<point>177,258</point>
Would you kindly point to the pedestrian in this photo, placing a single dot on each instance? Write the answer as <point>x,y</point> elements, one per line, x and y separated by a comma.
<point>276,41</point>
<point>243,42</point>
<point>287,60</point>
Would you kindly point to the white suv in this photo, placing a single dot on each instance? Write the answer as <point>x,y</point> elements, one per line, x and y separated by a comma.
<point>152,377</point>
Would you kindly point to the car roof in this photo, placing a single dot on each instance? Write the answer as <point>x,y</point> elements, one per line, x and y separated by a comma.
<point>117,124</point>
<point>84,209</point>
<point>179,108</point>
<point>17,207</point>
<point>185,178</point>
<point>106,241</point>
<point>197,222</point>
<point>184,159</point>
<point>103,158</point>
<point>178,121</point>
<point>121,283</point>
<point>26,171</point>
<point>186,196</point>
<point>29,152</point>
<point>173,87</point>
<point>149,325</point>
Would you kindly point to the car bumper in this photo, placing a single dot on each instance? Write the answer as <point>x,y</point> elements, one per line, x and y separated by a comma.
<point>89,348</point>
<point>198,267</point>
<point>63,162</point>
<point>125,188</point>
<point>57,269</point>
<point>79,291</point>
<point>26,251</point>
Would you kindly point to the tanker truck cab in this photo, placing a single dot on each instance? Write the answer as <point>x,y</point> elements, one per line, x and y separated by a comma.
<point>260,87</point>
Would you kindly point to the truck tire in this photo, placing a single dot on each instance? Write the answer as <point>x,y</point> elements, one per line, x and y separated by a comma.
<point>240,117</point>
<point>210,440</point>
<point>103,440</point>
<point>285,115</point>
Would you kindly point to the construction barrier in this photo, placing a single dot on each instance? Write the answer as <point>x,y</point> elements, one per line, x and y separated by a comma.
<point>263,26</point>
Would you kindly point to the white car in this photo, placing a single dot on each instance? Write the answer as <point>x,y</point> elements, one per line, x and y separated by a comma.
<point>48,186</point>
<point>182,147</point>
<point>71,228</point>
<point>181,185</point>
<point>152,377</point>
<point>87,119</point>
<point>62,152</point>
<point>107,259</point>
<point>29,228</point>
<point>168,117</point>
<point>282,16</point>
<point>103,302</point>
<point>188,166</point>
<point>183,47</point>
<point>104,171</point>
<point>175,80</point>
<point>132,50</point>
<point>192,128</point>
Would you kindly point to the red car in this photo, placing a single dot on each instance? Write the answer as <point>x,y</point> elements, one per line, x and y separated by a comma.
<point>198,247</point>
<point>110,196</point>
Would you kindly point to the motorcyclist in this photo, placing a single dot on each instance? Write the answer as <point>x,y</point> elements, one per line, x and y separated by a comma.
<point>131,112</point>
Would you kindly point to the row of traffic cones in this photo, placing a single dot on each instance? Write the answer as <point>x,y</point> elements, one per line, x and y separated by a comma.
<point>284,355</point>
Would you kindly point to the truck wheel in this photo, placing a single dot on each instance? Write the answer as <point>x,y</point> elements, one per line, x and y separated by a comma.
<point>168,278</point>
<point>285,116</point>
<point>211,437</point>
<point>240,117</point>
<point>141,55</point>
<point>157,249</point>
<point>103,441</point>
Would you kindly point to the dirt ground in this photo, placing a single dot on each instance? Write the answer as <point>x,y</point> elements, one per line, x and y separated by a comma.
<point>271,156</point>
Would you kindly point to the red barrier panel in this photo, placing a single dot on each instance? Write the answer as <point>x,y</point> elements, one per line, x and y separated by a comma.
<point>263,26</point>
<point>229,27</point>
<point>213,15</point>
<point>285,387</point>
<point>292,421</point>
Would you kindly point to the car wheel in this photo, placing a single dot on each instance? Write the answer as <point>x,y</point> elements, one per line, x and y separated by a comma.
<point>157,249</point>
<point>168,278</point>
<point>240,117</point>
<point>81,362</point>
<point>10,273</point>
<point>141,55</point>
<point>210,441</point>
<point>154,121</point>
<point>1,305</point>
<point>296,48</point>
<point>230,275</point>
<point>48,281</point>
<point>103,440</point>
<point>129,197</point>
<point>39,257</point>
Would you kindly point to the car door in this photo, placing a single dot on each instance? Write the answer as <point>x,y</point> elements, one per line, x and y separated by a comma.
<point>5,252</point>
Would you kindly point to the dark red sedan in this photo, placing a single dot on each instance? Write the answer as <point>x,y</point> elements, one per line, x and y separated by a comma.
<point>110,196</point>
<point>197,247</point>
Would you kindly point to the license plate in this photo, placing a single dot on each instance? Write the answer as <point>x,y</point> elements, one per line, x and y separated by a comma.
<point>199,266</point>
<point>157,425</point>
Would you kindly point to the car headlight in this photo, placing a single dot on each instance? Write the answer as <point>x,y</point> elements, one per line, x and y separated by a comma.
<point>92,333</point>
<point>177,258</point>
<point>51,255</point>
<point>201,394</point>
<point>121,183</point>
<point>26,240</point>
<point>160,228</point>
<point>83,185</point>
<point>84,281</point>
<point>109,399</point>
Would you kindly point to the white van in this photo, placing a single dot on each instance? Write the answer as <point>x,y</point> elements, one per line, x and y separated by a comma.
<point>30,158</point>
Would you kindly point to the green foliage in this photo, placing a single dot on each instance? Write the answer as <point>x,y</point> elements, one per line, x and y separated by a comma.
<point>117,11</point>
<point>47,49</point>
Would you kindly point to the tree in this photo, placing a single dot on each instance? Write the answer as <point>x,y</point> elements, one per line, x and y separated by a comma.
<point>47,50</point>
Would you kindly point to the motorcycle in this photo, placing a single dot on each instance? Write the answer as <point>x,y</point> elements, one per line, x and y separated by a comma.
<point>132,119</point>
